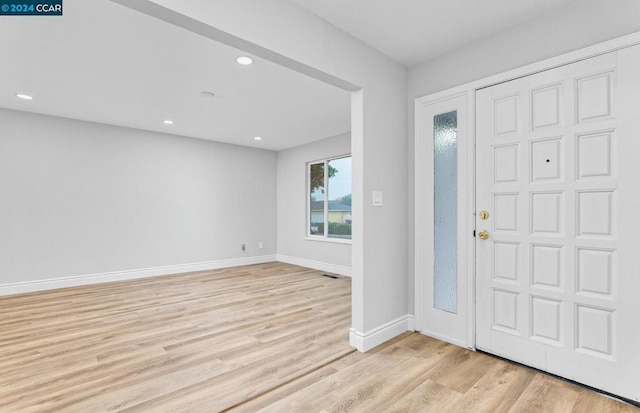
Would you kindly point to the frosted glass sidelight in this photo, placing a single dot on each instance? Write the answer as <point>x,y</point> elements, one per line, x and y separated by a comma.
<point>445,176</point>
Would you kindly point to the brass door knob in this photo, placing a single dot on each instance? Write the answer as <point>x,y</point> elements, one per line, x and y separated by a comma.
<point>483,235</point>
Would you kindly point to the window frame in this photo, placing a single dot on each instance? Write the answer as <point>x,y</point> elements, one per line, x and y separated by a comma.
<point>325,236</point>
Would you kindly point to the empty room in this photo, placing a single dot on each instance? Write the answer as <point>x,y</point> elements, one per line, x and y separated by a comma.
<point>319,206</point>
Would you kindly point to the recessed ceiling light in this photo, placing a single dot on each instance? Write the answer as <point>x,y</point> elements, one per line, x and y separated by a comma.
<point>244,60</point>
<point>167,122</point>
<point>257,138</point>
<point>23,96</point>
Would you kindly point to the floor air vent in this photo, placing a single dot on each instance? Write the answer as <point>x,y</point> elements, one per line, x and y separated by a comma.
<point>329,275</point>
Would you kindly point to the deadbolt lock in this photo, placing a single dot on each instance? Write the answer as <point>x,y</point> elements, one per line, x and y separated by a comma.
<point>484,214</point>
<point>483,235</point>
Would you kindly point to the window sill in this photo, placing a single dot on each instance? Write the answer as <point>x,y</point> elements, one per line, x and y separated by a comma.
<point>330,240</point>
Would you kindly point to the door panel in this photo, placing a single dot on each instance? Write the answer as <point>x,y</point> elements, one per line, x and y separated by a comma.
<point>557,279</point>
<point>442,207</point>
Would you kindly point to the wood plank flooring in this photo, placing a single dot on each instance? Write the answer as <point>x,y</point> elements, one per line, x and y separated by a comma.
<point>414,373</point>
<point>271,338</point>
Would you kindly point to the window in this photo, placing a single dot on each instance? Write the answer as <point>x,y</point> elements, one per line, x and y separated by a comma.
<point>445,207</point>
<point>329,213</point>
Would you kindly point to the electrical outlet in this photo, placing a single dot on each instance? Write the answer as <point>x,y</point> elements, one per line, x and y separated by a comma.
<point>244,248</point>
<point>260,245</point>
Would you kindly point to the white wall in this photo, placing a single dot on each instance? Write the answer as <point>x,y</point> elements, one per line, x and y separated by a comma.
<point>280,31</point>
<point>578,24</point>
<point>80,198</point>
<point>292,198</point>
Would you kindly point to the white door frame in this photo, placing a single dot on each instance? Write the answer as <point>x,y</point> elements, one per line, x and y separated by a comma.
<point>467,218</point>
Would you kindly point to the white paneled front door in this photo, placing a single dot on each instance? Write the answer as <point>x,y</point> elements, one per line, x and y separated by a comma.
<point>558,175</point>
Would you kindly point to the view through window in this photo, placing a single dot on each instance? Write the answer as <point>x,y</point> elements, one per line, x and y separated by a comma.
<point>330,198</point>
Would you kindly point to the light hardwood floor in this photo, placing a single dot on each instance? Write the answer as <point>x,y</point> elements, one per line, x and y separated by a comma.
<point>269,338</point>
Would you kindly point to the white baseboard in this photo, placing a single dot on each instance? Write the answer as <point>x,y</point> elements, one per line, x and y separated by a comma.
<point>372,338</point>
<point>411,319</point>
<point>75,281</point>
<point>316,265</point>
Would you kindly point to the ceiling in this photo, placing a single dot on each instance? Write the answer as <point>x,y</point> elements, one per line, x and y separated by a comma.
<point>106,63</point>
<point>414,31</point>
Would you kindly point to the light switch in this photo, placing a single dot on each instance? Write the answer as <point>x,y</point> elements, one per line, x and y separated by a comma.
<point>376,198</point>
